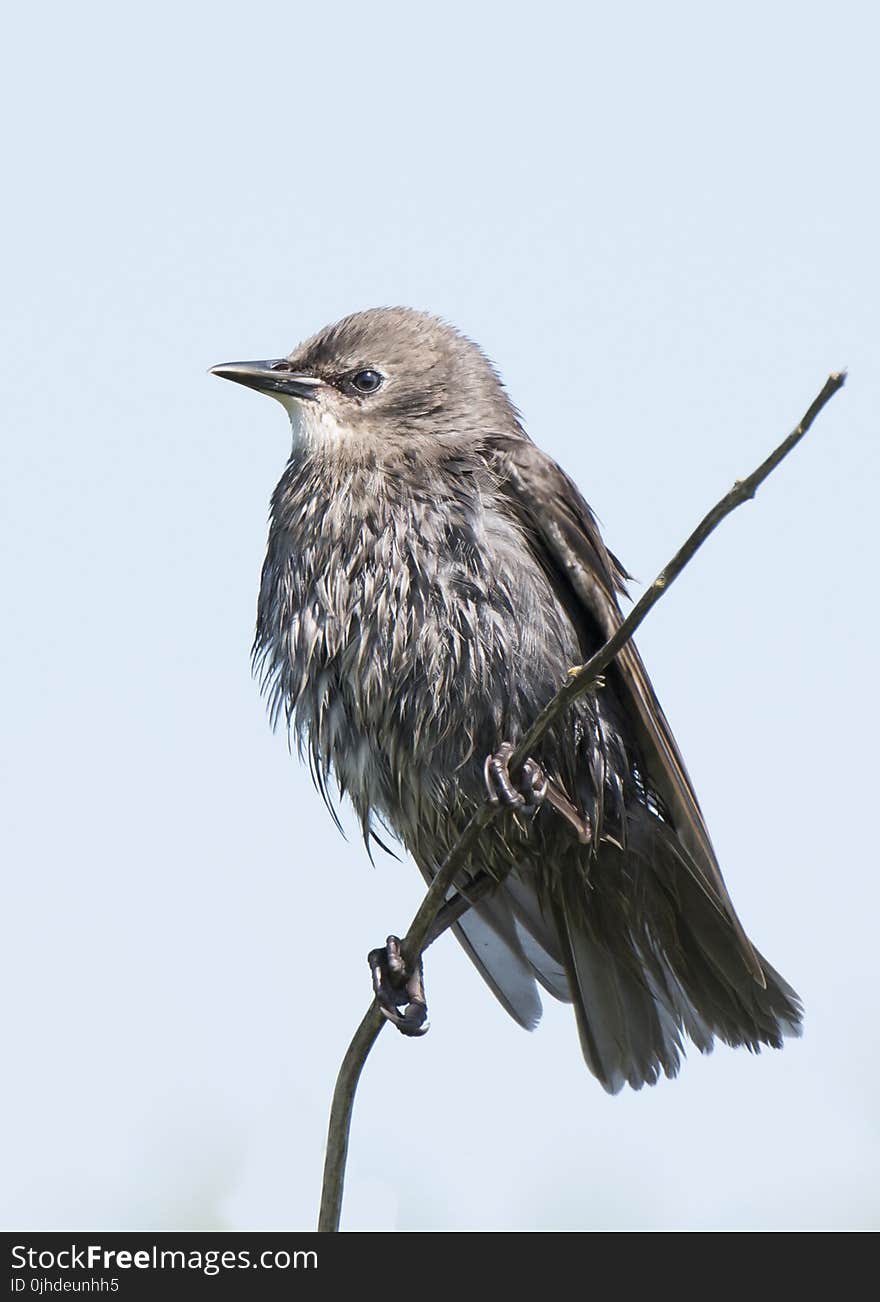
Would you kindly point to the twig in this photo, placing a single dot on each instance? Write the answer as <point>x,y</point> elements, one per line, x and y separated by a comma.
<point>422,931</point>
<point>356,1055</point>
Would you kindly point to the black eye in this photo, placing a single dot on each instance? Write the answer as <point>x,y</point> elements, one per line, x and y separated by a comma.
<point>367,381</point>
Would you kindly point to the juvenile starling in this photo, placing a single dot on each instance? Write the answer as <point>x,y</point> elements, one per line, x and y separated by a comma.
<point>431,577</point>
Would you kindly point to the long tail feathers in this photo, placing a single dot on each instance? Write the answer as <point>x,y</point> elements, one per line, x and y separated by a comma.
<point>643,954</point>
<point>668,963</point>
<point>640,949</point>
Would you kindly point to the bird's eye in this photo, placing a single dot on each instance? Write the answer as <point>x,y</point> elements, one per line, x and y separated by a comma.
<point>367,381</point>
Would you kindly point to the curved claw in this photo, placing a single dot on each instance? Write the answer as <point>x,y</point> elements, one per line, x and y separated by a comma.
<point>531,789</point>
<point>536,782</point>
<point>534,789</point>
<point>499,784</point>
<point>396,988</point>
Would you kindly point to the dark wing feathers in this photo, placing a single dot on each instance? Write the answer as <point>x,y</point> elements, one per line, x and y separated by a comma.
<point>659,952</point>
<point>563,532</point>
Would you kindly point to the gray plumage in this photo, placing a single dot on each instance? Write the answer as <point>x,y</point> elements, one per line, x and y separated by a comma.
<point>431,576</point>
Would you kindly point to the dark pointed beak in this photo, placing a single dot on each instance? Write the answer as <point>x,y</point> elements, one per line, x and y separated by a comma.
<point>270,377</point>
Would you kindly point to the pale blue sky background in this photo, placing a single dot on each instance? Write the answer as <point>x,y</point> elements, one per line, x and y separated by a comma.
<point>661,223</point>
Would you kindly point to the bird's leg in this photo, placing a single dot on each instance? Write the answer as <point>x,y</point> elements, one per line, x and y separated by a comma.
<point>533,789</point>
<point>396,987</point>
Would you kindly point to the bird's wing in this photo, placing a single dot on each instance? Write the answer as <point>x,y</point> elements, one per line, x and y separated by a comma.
<point>563,534</point>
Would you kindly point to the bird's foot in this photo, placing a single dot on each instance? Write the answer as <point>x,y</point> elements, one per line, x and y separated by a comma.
<point>532,790</point>
<point>397,987</point>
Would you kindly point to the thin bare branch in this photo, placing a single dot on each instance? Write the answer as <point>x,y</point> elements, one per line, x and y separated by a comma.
<point>423,929</point>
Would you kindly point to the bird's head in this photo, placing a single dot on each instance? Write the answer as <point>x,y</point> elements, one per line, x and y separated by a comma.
<point>384,380</point>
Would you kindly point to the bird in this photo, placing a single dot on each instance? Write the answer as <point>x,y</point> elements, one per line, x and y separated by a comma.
<point>430,579</point>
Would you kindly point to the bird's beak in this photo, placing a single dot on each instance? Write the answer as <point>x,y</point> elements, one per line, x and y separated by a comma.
<point>275,377</point>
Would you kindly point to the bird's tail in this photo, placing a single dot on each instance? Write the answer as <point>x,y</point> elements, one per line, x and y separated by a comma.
<point>651,958</point>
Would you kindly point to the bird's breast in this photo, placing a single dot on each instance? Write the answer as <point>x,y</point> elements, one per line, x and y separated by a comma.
<point>402,637</point>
